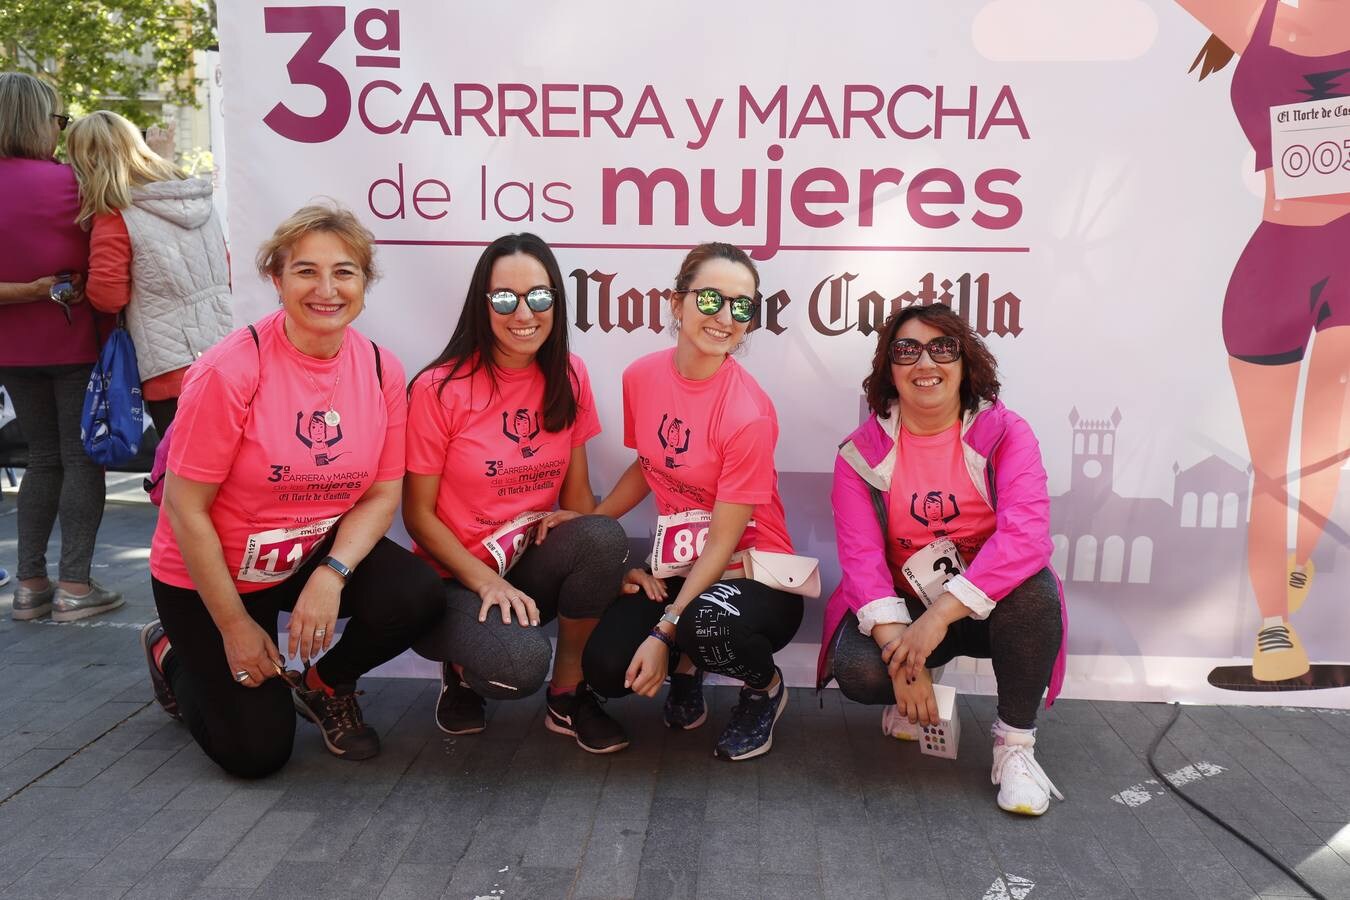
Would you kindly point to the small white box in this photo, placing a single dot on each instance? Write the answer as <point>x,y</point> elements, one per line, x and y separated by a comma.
<point>943,738</point>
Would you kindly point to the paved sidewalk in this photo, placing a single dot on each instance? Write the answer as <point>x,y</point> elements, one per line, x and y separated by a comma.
<point>101,795</point>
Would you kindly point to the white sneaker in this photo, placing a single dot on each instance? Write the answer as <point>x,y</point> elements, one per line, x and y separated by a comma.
<point>897,726</point>
<point>1024,788</point>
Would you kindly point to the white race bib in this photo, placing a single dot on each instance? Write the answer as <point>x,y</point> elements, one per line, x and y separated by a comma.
<point>929,569</point>
<point>508,543</point>
<point>273,556</point>
<point>1310,148</point>
<point>680,538</point>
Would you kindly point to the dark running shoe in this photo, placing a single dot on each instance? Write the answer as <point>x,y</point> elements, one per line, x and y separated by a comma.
<point>459,709</point>
<point>684,707</point>
<point>151,635</point>
<point>580,715</point>
<point>338,716</point>
<point>750,731</point>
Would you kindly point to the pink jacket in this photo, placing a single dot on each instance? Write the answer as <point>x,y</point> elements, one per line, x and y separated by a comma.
<point>1003,460</point>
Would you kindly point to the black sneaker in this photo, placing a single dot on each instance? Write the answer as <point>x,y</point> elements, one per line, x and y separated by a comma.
<point>580,715</point>
<point>150,636</point>
<point>459,710</point>
<point>338,716</point>
<point>750,731</point>
<point>684,707</point>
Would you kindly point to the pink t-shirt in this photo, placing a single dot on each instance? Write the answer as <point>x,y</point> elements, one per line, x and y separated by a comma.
<point>490,448</point>
<point>285,475</point>
<point>932,496</point>
<point>703,441</point>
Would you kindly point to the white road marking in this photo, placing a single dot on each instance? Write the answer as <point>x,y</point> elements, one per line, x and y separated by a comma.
<point>1144,791</point>
<point>1009,887</point>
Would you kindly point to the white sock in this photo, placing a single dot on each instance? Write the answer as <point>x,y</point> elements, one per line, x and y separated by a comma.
<point>1270,621</point>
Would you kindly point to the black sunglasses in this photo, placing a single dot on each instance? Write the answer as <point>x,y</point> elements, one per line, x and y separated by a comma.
<point>710,301</point>
<point>906,351</point>
<point>538,299</point>
<point>62,120</point>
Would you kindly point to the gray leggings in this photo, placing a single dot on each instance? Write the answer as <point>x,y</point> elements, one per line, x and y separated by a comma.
<point>61,481</point>
<point>1022,637</point>
<point>576,573</point>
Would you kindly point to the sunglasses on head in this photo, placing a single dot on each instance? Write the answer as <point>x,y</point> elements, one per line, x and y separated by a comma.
<point>710,301</point>
<point>62,120</point>
<point>906,351</point>
<point>538,299</point>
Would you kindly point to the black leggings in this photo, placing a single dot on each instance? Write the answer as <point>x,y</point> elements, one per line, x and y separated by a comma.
<point>733,628</point>
<point>391,599</point>
<point>1022,637</point>
<point>576,573</point>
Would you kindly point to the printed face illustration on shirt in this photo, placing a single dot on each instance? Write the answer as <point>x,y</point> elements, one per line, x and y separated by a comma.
<point>669,435</point>
<point>522,428</point>
<point>937,513</point>
<point>317,436</point>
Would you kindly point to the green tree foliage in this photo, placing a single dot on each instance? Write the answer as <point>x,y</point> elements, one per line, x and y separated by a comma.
<point>104,54</point>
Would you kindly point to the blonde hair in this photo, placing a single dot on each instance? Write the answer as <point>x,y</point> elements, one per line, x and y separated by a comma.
<point>27,105</point>
<point>110,157</point>
<point>327,216</point>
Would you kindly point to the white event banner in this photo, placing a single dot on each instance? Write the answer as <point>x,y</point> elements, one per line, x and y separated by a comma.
<point>1045,167</point>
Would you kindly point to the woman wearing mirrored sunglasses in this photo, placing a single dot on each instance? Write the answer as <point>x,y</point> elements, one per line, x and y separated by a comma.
<point>705,433</point>
<point>942,522</point>
<point>498,494</point>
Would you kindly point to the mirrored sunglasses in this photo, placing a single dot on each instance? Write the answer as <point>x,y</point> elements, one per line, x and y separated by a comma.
<point>710,301</point>
<point>906,351</point>
<point>538,299</point>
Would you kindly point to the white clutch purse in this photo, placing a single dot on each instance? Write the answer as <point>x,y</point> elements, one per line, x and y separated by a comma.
<point>784,571</point>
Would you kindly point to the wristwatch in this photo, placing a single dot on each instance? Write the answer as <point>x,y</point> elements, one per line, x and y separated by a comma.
<point>670,615</point>
<point>338,567</point>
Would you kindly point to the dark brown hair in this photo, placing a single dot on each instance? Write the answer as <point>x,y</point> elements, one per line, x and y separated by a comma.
<point>712,250</point>
<point>1212,57</point>
<point>979,370</point>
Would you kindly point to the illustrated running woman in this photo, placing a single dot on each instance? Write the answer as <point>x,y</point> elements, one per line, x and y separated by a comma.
<point>519,431</point>
<point>670,439</point>
<point>932,517</point>
<point>1292,281</point>
<point>318,437</point>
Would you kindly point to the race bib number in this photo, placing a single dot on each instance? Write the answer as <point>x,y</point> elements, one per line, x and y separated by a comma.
<point>508,543</point>
<point>273,556</point>
<point>679,542</point>
<point>929,569</point>
<point>1310,148</point>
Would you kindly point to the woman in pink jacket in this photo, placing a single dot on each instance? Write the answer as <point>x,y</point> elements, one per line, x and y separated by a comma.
<point>943,526</point>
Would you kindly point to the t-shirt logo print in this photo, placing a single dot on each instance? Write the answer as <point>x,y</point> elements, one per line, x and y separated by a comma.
<point>934,516</point>
<point>522,428</point>
<point>318,436</point>
<point>669,436</point>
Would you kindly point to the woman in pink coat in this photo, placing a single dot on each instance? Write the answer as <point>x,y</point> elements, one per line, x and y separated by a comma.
<point>943,527</point>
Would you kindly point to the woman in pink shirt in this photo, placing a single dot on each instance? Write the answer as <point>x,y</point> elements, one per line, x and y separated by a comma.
<point>255,522</point>
<point>942,522</point>
<point>704,433</point>
<point>497,432</point>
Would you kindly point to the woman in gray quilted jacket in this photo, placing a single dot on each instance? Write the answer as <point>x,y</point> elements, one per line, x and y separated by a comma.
<point>156,252</point>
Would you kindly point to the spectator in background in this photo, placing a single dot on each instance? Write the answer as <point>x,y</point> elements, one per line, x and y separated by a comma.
<point>156,250</point>
<point>49,348</point>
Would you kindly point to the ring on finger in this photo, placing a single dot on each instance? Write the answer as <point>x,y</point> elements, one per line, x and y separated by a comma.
<point>320,632</point>
<point>241,676</point>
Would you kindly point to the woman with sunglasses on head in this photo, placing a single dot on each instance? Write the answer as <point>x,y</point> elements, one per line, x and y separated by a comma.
<point>497,432</point>
<point>942,522</point>
<point>705,433</point>
<point>254,523</point>
<point>48,344</point>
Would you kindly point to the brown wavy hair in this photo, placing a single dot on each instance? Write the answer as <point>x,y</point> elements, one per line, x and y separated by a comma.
<point>979,369</point>
<point>1213,56</point>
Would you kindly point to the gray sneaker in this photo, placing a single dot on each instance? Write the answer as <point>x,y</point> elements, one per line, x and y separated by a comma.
<point>67,607</point>
<point>31,604</point>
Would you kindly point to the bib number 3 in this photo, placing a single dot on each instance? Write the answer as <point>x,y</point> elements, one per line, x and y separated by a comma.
<point>273,556</point>
<point>508,543</point>
<point>929,569</point>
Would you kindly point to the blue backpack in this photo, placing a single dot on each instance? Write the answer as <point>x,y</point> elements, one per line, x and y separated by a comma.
<point>114,417</point>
